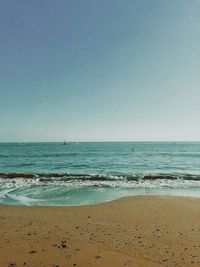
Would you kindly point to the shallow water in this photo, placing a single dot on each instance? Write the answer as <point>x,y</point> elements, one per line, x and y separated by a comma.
<point>85,173</point>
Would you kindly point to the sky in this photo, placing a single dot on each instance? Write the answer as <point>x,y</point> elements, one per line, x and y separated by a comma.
<point>99,70</point>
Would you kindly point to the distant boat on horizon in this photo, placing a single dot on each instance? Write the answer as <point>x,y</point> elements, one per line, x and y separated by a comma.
<point>65,143</point>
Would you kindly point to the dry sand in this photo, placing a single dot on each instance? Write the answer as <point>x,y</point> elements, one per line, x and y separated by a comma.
<point>134,231</point>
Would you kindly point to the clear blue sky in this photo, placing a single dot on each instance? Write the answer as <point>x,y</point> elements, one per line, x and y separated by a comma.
<point>99,70</point>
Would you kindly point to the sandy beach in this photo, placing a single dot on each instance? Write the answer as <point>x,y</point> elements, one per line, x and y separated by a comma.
<point>134,231</point>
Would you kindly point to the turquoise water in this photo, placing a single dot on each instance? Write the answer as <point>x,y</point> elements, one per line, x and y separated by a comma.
<point>85,173</point>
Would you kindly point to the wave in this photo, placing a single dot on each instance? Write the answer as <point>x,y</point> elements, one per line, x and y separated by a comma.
<point>100,177</point>
<point>25,164</point>
<point>4,156</point>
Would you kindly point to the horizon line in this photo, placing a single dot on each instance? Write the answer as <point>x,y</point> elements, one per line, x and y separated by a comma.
<point>103,141</point>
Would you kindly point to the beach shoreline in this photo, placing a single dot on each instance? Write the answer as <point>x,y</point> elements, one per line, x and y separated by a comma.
<point>131,231</point>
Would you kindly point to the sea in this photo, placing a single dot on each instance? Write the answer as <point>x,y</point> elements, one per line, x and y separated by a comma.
<point>82,173</point>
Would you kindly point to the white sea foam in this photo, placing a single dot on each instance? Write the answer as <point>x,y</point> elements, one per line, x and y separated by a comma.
<point>24,200</point>
<point>35,192</point>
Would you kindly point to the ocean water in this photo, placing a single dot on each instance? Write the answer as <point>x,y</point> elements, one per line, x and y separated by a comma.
<point>87,173</point>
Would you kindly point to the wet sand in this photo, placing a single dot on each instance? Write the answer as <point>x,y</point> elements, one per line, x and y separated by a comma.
<point>134,231</point>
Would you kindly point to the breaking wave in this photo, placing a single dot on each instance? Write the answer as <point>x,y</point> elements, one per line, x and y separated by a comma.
<point>79,189</point>
<point>101,177</point>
